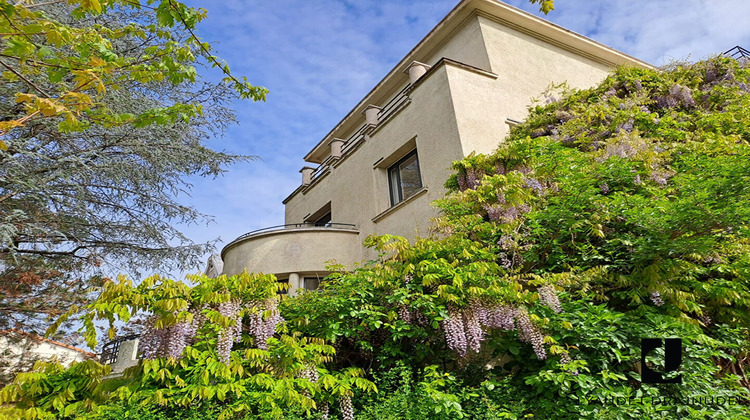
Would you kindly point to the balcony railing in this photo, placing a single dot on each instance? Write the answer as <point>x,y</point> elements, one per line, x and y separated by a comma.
<point>737,53</point>
<point>388,111</point>
<point>346,226</point>
<point>394,104</point>
<point>112,349</point>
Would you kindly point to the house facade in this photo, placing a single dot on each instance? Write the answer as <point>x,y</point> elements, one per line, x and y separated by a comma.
<point>19,350</point>
<point>458,91</point>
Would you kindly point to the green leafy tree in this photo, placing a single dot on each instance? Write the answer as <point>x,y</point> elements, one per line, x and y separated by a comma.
<point>104,118</point>
<point>67,65</point>
<point>218,343</point>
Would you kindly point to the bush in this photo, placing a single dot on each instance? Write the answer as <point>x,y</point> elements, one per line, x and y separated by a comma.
<point>612,215</point>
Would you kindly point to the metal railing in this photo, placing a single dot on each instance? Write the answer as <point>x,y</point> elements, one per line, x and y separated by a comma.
<point>347,226</point>
<point>388,110</point>
<point>321,169</point>
<point>112,349</point>
<point>353,139</point>
<point>394,104</point>
<point>737,52</point>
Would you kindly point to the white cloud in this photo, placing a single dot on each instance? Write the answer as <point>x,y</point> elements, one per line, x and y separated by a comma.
<point>656,31</point>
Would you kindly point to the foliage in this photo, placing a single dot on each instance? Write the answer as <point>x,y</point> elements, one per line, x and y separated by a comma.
<point>115,118</point>
<point>545,6</point>
<point>262,379</point>
<point>641,182</point>
<point>398,309</point>
<point>612,215</point>
<point>78,64</point>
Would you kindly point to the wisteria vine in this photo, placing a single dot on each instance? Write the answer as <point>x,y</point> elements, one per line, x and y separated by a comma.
<point>170,341</point>
<point>464,328</point>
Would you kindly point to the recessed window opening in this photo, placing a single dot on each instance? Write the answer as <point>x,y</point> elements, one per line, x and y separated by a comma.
<point>404,178</point>
<point>320,217</point>
<point>311,283</point>
<point>324,220</point>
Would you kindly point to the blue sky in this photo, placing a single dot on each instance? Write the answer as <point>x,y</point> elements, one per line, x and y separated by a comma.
<point>319,58</point>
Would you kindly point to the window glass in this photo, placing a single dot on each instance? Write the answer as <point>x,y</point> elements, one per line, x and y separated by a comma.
<point>410,179</point>
<point>404,178</point>
<point>311,283</point>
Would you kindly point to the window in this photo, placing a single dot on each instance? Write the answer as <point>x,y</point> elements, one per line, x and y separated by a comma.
<point>311,283</point>
<point>404,178</point>
<point>325,220</point>
<point>320,217</point>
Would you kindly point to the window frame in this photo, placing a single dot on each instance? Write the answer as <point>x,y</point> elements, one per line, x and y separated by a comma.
<point>396,170</point>
<point>304,283</point>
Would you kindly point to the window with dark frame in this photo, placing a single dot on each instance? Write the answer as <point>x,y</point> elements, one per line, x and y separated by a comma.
<point>311,283</point>
<point>404,178</point>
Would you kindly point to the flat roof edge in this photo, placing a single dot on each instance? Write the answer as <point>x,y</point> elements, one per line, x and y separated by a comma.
<point>507,14</point>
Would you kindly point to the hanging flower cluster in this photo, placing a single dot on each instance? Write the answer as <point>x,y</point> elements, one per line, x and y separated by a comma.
<point>469,179</point>
<point>464,328</point>
<point>678,95</point>
<point>548,296</point>
<point>232,333</point>
<point>263,329</point>
<point>169,341</point>
<point>656,299</point>
<point>529,333</point>
<point>310,372</point>
<point>404,314</point>
<point>347,411</point>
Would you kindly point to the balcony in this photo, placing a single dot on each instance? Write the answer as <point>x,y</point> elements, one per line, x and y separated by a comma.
<point>296,248</point>
<point>349,145</point>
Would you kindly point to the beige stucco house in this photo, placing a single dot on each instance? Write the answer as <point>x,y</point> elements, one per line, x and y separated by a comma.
<point>458,91</point>
<point>19,350</point>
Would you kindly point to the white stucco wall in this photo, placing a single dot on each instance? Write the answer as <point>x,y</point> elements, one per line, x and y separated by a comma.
<point>292,251</point>
<point>525,68</point>
<point>465,44</point>
<point>18,351</point>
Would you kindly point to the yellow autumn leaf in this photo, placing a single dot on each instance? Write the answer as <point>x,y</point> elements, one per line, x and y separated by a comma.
<point>7,125</point>
<point>97,62</point>
<point>25,98</point>
<point>48,107</point>
<point>92,5</point>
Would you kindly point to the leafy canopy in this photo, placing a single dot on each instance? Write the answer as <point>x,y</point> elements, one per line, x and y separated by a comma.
<point>80,63</point>
<point>105,118</point>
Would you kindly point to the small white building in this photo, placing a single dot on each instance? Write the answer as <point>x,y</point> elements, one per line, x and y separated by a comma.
<point>19,350</point>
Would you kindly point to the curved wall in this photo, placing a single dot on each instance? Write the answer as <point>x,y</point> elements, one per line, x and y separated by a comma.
<point>292,250</point>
